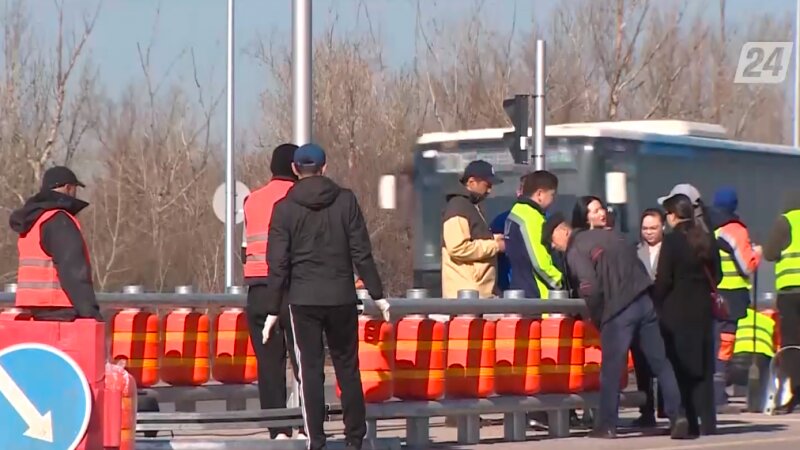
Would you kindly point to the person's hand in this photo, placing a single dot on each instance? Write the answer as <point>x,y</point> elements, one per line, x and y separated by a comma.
<point>501,242</point>
<point>383,306</point>
<point>269,324</point>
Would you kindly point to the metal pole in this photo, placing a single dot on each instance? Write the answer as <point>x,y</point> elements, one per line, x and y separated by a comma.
<point>539,107</point>
<point>230,189</point>
<point>302,102</point>
<point>301,71</point>
<point>796,135</point>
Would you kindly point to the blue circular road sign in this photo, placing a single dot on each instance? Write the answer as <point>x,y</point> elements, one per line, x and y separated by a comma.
<point>45,400</point>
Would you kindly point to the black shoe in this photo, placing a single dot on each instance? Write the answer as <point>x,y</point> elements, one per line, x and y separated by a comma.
<point>679,428</point>
<point>644,421</point>
<point>602,433</point>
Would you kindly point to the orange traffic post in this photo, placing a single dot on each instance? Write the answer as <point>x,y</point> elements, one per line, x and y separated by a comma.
<point>375,355</point>
<point>556,354</point>
<point>135,337</point>
<point>470,358</point>
<point>234,357</point>
<point>419,358</point>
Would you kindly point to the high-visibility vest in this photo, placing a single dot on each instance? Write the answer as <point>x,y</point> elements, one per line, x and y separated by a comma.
<point>787,268</point>
<point>531,223</point>
<point>731,277</point>
<point>257,215</point>
<point>762,326</point>
<point>38,285</point>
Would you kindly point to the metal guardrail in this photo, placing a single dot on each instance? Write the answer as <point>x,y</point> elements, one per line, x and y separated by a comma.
<point>416,302</point>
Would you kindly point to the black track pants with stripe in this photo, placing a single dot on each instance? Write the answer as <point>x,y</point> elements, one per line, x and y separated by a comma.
<point>340,326</point>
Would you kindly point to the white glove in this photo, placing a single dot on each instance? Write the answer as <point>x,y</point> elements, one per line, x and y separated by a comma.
<point>383,305</point>
<point>269,324</point>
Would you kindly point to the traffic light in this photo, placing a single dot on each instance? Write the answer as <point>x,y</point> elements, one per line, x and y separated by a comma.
<point>517,141</point>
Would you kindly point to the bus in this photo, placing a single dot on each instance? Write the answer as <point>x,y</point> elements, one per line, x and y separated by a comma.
<point>630,163</point>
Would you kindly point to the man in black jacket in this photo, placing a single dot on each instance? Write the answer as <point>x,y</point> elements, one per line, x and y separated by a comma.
<point>62,241</point>
<point>615,285</point>
<point>316,236</point>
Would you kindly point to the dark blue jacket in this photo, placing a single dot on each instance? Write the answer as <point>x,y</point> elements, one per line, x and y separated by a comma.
<point>498,226</point>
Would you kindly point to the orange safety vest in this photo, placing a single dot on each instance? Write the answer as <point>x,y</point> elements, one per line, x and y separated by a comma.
<point>38,285</point>
<point>257,215</point>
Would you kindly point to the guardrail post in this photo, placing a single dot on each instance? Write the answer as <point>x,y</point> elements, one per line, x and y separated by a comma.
<point>558,423</point>
<point>184,405</point>
<point>235,402</point>
<point>417,428</point>
<point>469,426</point>
<point>515,424</point>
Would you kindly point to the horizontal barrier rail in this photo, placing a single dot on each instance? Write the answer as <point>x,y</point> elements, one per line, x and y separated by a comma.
<point>399,307</point>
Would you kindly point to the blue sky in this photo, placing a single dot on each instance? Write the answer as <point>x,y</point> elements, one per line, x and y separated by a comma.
<point>201,25</point>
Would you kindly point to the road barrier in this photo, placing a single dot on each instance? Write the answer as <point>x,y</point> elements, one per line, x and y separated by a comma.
<point>491,356</point>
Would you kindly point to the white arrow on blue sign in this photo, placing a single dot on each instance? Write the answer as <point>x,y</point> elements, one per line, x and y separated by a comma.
<point>45,400</point>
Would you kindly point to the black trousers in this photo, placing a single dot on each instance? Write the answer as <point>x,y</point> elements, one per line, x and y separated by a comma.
<point>644,383</point>
<point>789,310</point>
<point>691,351</point>
<point>271,358</point>
<point>339,324</point>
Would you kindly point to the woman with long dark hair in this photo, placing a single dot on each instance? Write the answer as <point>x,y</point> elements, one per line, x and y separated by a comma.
<point>589,213</point>
<point>688,270</point>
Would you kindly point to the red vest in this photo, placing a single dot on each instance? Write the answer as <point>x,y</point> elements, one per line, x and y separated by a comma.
<point>37,279</point>
<point>257,215</point>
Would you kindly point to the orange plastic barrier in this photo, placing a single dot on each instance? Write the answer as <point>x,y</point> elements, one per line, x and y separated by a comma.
<point>185,358</point>
<point>135,341</point>
<point>512,357</point>
<point>15,314</point>
<point>470,358</point>
<point>556,354</point>
<point>375,355</point>
<point>119,429</point>
<point>593,356</point>
<point>419,359</point>
<point>577,357</point>
<point>234,357</point>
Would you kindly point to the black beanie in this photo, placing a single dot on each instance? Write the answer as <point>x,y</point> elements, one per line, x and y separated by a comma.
<point>281,164</point>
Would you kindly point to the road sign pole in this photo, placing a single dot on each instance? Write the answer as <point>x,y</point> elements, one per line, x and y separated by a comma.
<point>230,190</point>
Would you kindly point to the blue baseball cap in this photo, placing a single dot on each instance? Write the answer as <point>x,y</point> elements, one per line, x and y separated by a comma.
<point>309,155</point>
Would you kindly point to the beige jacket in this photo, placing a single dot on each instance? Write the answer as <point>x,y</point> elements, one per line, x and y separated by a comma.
<point>469,251</point>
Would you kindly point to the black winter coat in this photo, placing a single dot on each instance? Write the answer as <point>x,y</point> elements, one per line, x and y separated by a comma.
<point>682,294</point>
<point>316,237</point>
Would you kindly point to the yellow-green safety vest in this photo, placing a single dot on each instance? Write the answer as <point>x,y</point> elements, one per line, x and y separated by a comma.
<point>787,269</point>
<point>731,277</point>
<point>763,328</point>
<point>531,223</point>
